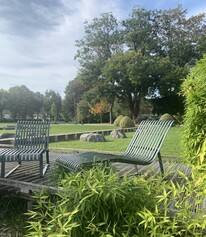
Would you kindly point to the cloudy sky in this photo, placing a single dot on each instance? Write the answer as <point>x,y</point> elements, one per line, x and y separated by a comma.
<point>37,37</point>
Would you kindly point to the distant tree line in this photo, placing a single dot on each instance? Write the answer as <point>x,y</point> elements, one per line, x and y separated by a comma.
<point>129,67</point>
<point>21,103</point>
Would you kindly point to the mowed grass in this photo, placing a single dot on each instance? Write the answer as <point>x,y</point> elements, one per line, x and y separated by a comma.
<point>172,145</point>
<point>67,128</point>
<point>75,128</point>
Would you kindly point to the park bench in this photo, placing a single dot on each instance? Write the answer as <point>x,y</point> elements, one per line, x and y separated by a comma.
<point>144,147</point>
<point>30,144</point>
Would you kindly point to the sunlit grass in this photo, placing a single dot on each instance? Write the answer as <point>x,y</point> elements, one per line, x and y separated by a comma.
<point>75,128</point>
<point>68,128</point>
<point>172,145</point>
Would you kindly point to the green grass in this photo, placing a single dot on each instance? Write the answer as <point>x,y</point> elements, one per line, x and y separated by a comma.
<point>172,145</point>
<point>68,128</point>
<point>75,128</point>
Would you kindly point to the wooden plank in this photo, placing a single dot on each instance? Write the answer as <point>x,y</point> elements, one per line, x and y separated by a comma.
<point>26,180</point>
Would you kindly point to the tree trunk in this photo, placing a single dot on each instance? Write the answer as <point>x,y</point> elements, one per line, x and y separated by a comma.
<point>111,113</point>
<point>134,106</point>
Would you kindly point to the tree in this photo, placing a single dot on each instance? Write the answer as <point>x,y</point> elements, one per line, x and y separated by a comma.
<point>38,103</point>
<point>54,112</point>
<point>172,43</point>
<point>20,102</point>
<point>51,97</point>
<point>129,75</point>
<point>83,113</point>
<point>165,44</point>
<point>100,108</point>
<point>102,40</point>
<point>73,95</point>
<point>3,101</point>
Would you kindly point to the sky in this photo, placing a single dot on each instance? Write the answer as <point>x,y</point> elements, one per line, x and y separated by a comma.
<point>37,37</point>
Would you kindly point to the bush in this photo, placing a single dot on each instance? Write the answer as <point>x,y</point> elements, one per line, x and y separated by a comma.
<point>97,203</point>
<point>94,203</point>
<point>117,120</point>
<point>126,122</point>
<point>166,117</point>
<point>194,90</point>
<point>179,208</point>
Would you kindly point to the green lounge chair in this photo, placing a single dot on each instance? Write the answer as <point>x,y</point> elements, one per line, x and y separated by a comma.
<point>31,142</point>
<point>142,150</point>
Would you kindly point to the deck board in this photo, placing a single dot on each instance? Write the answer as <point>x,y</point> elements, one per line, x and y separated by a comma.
<point>26,178</point>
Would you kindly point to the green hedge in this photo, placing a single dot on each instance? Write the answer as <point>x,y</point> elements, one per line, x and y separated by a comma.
<point>194,90</point>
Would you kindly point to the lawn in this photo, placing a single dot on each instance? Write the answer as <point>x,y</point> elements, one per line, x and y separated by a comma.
<point>172,145</point>
<point>68,128</point>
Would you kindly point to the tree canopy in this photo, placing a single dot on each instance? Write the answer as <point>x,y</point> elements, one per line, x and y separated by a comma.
<point>146,55</point>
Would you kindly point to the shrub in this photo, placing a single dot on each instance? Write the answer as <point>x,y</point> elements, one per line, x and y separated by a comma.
<point>97,202</point>
<point>126,122</point>
<point>166,117</point>
<point>194,90</point>
<point>94,203</point>
<point>117,120</point>
<point>179,208</point>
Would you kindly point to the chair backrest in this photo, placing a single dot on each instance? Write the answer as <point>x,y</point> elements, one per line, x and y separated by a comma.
<point>31,134</point>
<point>147,140</point>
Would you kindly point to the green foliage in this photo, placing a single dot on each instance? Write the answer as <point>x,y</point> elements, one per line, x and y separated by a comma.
<point>52,98</point>
<point>154,62</point>
<point>117,121</point>
<point>194,90</point>
<point>72,105</point>
<point>126,122</point>
<point>166,117</point>
<point>22,102</point>
<point>54,112</point>
<point>92,203</point>
<point>179,208</point>
<point>97,203</point>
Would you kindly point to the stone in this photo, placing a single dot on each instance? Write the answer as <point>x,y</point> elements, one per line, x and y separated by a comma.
<point>118,134</point>
<point>92,137</point>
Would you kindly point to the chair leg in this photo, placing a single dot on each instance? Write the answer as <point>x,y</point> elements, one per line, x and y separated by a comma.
<point>136,168</point>
<point>2,169</point>
<point>41,166</point>
<point>47,157</point>
<point>160,163</point>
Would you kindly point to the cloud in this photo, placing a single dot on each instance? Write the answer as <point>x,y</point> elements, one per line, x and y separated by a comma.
<point>26,18</point>
<point>37,38</point>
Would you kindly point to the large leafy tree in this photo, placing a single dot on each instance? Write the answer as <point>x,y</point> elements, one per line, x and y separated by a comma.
<point>148,54</point>
<point>102,40</point>
<point>21,102</point>
<point>172,43</point>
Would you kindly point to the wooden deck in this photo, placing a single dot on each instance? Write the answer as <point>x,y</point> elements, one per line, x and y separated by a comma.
<point>26,178</point>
